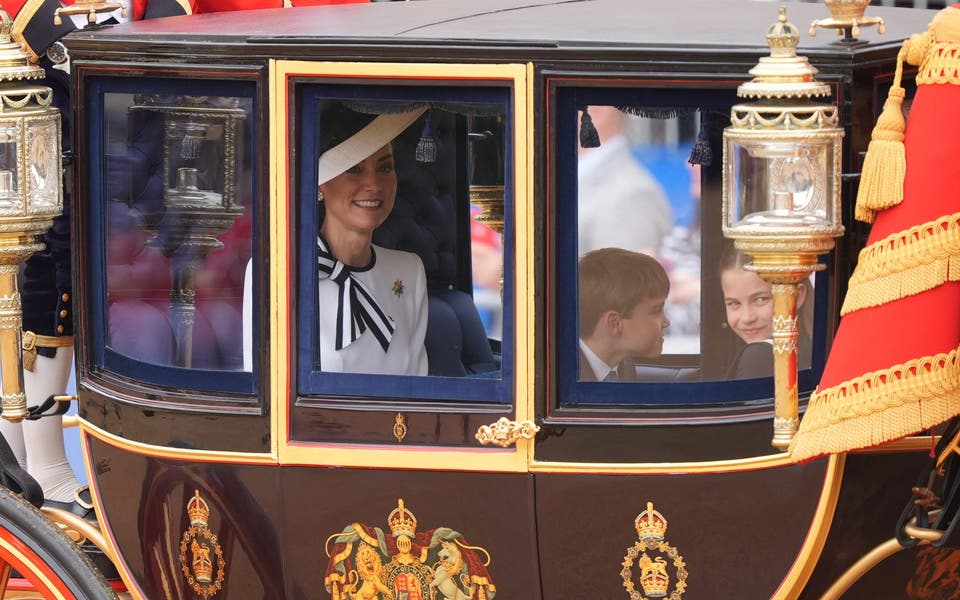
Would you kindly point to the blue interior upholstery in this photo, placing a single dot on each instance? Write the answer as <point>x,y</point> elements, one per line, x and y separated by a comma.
<point>428,221</point>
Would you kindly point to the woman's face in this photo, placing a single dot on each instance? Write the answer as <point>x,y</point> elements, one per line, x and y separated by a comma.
<point>749,302</point>
<point>360,199</point>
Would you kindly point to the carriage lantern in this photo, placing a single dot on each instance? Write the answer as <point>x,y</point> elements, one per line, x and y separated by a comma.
<point>486,169</point>
<point>201,200</point>
<point>31,195</point>
<point>781,193</point>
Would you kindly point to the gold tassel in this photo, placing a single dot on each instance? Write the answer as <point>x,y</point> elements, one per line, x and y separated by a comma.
<point>884,167</point>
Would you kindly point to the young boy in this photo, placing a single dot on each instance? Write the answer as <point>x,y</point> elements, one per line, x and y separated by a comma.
<point>622,296</point>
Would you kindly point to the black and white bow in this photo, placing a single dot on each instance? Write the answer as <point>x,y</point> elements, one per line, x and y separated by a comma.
<point>357,310</point>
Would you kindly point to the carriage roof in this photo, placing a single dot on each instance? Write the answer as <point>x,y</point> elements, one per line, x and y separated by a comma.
<point>525,27</point>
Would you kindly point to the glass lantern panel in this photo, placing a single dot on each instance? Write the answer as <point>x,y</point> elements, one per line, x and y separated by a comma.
<point>9,197</point>
<point>780,183</point>
<point>43,170</point>
<point>201,144</point>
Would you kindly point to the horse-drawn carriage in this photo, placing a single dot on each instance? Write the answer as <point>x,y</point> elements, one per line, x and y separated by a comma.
<point>228,458</point>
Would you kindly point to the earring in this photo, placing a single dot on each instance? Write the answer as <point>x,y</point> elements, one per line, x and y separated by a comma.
<point>319,195</point>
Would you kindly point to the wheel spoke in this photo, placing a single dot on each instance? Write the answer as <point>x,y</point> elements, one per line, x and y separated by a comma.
<point>5,570</point>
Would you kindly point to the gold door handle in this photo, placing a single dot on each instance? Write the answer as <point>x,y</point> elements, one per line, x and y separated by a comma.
<point>505,432</point>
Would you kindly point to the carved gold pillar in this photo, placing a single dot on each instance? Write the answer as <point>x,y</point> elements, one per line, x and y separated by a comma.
<point>786,414</point>
<point>11,320</point>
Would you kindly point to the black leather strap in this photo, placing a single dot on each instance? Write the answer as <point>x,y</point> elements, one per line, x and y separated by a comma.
<point>40,411</point>
<point>935,499</point>
<point>16,479</point>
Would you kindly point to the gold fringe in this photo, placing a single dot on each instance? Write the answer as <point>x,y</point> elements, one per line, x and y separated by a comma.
<point>942,65</point>
<point>884,166</point>
<point>905,263</point>
<point>879,407</point>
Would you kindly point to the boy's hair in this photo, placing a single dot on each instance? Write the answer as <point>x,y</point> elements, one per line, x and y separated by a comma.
<point>617,279</point>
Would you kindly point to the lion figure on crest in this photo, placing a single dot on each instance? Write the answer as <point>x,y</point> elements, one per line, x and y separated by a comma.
<point>656,567</point>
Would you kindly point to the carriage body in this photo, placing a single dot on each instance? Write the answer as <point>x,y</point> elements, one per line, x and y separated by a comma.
<point>226,463</point>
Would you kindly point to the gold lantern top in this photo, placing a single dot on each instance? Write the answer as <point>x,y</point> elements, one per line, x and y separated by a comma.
<point>783,74</point>
<point>782,155</point>
<point>14,62</point>
<point>30,190</point>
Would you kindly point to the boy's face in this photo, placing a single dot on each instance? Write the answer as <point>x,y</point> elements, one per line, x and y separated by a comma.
<point>642,329</point>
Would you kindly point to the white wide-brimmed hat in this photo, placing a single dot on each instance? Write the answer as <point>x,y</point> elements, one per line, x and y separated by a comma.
<point>375,135</point>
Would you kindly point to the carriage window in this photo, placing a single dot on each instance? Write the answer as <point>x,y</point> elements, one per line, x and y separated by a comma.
<point>176,218</point>
<point>402,203</point>
<point>662,298</point>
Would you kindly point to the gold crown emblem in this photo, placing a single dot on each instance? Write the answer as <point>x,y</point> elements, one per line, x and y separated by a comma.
<point>655,585</point>
<point>402,521</point>
<point>197,510</point>
<point>650,524</point>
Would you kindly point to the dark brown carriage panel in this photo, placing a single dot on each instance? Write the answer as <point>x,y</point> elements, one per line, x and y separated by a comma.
<point>375,423</point>
<point>173,427</point>
<point>728,535</point>
<point>487,517</point>
<point>143,507</point>
<point>271,523</point>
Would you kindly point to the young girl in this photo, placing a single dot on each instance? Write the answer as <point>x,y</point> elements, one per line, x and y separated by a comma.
<point>749,305</point>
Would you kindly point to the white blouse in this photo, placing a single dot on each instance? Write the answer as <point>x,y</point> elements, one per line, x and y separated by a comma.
<point>398,283</point>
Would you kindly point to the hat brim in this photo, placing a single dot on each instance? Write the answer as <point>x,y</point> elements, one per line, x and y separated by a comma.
<point>377,134</point>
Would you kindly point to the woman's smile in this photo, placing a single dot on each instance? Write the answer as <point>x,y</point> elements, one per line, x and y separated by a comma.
<point>368,204</point>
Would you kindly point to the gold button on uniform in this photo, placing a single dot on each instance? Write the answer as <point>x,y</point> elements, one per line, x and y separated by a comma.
<point>63,314</point>
<point>65,297</point>
<point>59,328</point>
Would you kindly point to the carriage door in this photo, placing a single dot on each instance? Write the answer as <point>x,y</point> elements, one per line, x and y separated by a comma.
<point>654,450</point>
<point>409,388</point>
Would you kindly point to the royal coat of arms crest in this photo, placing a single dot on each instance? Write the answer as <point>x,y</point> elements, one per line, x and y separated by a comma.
<point>364,563</point>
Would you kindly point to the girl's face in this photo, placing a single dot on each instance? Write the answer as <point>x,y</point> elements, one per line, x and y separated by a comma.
<point>749,302</point>
<point>360,199</point>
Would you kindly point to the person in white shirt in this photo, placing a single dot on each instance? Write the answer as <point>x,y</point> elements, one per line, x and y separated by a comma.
<point>619,203</point>
<point>372,301</point>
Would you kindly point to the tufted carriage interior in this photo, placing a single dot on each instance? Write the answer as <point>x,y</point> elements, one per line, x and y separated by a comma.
<point>432,219</point>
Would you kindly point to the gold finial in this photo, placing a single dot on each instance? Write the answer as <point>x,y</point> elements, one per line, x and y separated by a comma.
<point>6,26</point>
<point>783,74</point>
<point>15,62</point>
<point>783,37</point>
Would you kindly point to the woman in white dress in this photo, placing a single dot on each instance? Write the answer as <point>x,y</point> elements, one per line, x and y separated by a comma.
<point>372,307</point>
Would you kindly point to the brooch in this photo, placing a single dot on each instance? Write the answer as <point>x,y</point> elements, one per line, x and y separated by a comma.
<point>398,288</point>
